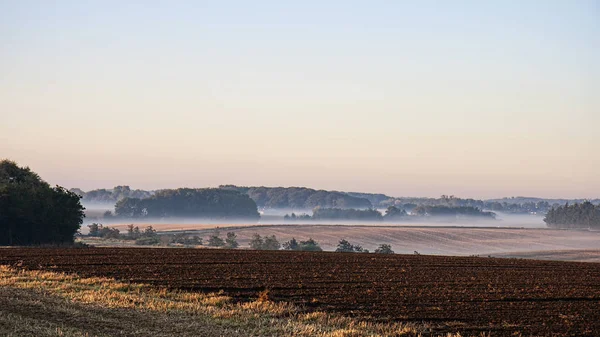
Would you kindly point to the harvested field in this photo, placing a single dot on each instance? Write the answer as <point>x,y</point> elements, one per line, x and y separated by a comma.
<point>429,240</point>
<point>557,255</point>
<point>466,294</point>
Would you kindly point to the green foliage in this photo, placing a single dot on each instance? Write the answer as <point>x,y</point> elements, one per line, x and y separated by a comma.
<point>215,239</point>
<point>94,229</point>
<point>294,217</point>
<point>266,243</point>
<point>346,247</point>
<point>584,215</point>
<point>308,245</point>
<point>106,196</point>
<point>384,249</point>
<point>231,241</point>
<point>299,197</point>
<point>209,203</point>
<point>257,242</point>
<point>271,243</point>
<point>451,211</point>
<point>291,245</point>
<point>394,213</point>
<point>148,241</point>
<point>346,214</point>
<point>187,240</point>
<point>32,212</point>
<point>109,233</point>
<point>133,233</point>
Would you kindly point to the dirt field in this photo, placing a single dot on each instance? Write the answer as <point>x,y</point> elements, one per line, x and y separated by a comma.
<point>464,294</point>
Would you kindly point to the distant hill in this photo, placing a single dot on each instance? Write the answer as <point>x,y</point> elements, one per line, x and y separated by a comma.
<point>111,196</point>
<point>524,200</point>
<point>299,198</point>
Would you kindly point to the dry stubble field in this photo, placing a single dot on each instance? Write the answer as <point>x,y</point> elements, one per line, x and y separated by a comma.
<point>470,295</point>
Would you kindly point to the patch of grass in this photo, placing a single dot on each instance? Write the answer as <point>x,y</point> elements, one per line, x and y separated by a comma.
<point>42,303</point>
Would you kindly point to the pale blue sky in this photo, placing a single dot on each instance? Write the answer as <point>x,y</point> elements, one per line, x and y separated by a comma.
<point>472,98</point>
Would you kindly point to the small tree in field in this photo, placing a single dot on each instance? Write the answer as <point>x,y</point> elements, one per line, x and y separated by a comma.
<point>384,249</point>
<point>231,241</point>
<point>94,229</point>
<point>257,242</point>
<point>310,245</point>
<point>271,243</point>
<point>345,247</point>
<point>215,239</point>
<point>291,245</point>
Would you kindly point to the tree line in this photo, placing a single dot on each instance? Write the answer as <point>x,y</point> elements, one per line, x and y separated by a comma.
<point>578,215</point>
<point>299,197</point>
<point>208,203</point>
<point>392,213</point>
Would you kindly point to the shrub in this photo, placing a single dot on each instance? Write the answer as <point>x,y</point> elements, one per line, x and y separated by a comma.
<point>215,240</point>
<point>291,245</point>
<point>257,242</point>
<point>310,245</point>
<point>148,241</point>
<point>268,243</point>
<point>345,247</point>
<point>384,249</point>
<point>271,243</point>
<point>231,241</point>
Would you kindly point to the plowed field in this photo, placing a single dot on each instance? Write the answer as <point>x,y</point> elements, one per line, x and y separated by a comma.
<point>467,294</point>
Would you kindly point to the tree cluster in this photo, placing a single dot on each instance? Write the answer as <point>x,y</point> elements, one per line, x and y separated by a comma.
<point>32,212</point>
<point>346,214</point>
<point>451,211</point>
<point>309,245</point>
<point>208,203</point>
<point>266,243</point>
<point>584,215</point>
<point>111,196</point>
<point>346,247</point>
<point>146,237</point>
<point>230,241</point>
<point>299,197</point>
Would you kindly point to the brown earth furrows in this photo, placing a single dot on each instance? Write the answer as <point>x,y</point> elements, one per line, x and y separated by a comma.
<point>475,294</point>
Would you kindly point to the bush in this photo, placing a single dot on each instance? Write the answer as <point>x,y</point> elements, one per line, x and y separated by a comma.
<point>268,243</point>
<point>345,247</point>
<point>187,240</point>
<point>256,242</point>
<point>215,240</point>
<point>148,241</point>
<point>291,245</point>
<point>384,249</point>
<point>271,243</point>
<point>310,245</point>
<point>231,241</point>
<point>109,233</point>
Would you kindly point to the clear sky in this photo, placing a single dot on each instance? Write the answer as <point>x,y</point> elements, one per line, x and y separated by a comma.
<point>422,98</point>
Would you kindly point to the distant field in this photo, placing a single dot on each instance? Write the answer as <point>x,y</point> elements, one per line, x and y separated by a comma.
<point>470,295</point>
<point>558,255</point>
<point>428,240</point>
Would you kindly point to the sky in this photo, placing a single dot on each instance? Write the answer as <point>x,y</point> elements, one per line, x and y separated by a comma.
<point>409,98</point>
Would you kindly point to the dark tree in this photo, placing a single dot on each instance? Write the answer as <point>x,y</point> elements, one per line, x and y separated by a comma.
<point>291,245</point>
<point>384,249</point>
<point>32,212</point>
<point>346,247</point>
<point>215,239</point>
<point>208,203</point>
<point>231,241</point>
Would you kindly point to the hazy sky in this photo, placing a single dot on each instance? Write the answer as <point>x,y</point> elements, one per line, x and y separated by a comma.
<point>423,98</point>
